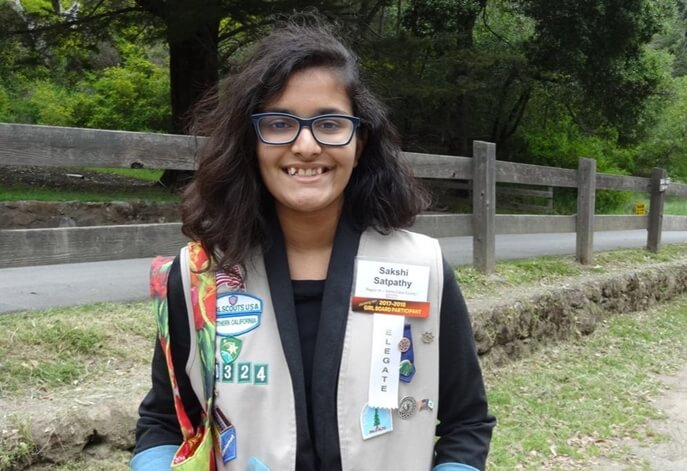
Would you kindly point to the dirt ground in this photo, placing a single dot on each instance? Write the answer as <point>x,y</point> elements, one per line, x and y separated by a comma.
<point>670,453</point>
<point>66,178</point>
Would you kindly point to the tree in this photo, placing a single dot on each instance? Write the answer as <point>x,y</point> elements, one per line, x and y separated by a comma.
<point>451,70</point>
<point>459,70</point>
<point>193,30</point>
<point>595,49</point>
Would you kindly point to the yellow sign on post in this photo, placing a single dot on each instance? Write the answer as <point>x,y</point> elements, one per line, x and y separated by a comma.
<point>640,209</point>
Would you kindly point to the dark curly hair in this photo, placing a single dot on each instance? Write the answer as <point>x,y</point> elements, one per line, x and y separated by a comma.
<point>224,207</point>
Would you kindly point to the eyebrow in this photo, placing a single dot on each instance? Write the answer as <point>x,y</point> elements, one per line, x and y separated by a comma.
<point>318,112</point>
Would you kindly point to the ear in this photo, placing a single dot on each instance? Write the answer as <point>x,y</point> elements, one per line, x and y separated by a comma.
<point>361,139</point>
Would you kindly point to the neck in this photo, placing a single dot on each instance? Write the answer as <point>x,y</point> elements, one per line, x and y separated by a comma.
<point>309,231</point>
<point>309,238</point>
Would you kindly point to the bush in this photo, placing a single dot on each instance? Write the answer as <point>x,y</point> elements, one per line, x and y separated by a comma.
<point>133,97</point>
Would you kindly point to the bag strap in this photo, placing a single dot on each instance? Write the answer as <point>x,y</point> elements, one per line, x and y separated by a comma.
<point>203,282</point>
<point>159,274</point>
<point>203,294</point>
<point>204,301</point>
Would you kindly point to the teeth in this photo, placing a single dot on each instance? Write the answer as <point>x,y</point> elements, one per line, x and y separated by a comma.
<point>305,172</point>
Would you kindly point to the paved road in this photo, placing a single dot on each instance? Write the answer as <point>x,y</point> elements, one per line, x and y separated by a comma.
<point>27,288</point>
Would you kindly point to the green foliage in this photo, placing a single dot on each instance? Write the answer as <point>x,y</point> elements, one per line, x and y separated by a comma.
<point>666,143</point>
<point>50,104</point>
<point>132,97</point>
<point>5,113</point>
<point>597,45</point>
<point>592,78</point>
<point>91,78</point>
<point>426,18</point>
<point>558,141</point>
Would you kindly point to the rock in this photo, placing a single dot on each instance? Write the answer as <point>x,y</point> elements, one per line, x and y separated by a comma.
<point>507,332</point>
<point>41,214</point>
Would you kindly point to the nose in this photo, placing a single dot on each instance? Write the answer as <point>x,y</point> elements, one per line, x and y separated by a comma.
<point>305,144</point>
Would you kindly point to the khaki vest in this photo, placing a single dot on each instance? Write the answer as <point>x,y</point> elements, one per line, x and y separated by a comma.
<point>262,409</point>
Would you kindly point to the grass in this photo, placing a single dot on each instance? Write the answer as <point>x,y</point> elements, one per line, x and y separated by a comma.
<point>561,408</point>
<point>40,351</point>
<point>16,444</point>
<point>94,193</point>
<point>20,192</point>
<point>565,406</point>
<point>549,270</point>
<point>145,174</point>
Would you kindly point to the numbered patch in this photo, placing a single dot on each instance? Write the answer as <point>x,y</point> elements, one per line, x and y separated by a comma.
<point>227,373</point>
<point>244,373</point>
<point>260,373</point>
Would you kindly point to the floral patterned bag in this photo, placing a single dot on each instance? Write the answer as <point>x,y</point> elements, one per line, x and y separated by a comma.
<point>196,453</point>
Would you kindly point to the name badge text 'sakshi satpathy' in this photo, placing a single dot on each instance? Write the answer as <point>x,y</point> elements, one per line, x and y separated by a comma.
<point>385,287</point>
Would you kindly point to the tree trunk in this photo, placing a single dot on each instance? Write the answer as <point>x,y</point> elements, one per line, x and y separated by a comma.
<point>193,36</point>
<point>193,70</point>
<point>462,142</point>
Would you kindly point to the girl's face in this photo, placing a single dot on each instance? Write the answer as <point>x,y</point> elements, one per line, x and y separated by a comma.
<point>306,176</point>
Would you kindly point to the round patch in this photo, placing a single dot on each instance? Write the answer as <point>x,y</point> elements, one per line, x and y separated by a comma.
<point>404,344</point>
<point>407,407</point>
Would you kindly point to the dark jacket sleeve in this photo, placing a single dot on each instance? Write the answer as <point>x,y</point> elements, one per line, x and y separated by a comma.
<point>465,425</point>
<point>157,424</point>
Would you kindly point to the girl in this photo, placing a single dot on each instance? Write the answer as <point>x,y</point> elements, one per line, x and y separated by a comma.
<point>305,327</point>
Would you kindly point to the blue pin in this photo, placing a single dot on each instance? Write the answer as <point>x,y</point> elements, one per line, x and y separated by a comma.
<point>407,368</point>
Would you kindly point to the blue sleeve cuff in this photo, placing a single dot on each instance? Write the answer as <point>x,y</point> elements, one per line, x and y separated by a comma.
<point>453,467</point>
<point>154,459</point>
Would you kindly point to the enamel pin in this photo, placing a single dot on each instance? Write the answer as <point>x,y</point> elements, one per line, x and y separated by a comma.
<point>407,407</point>
<point>427,337</point>
<point>427,404</point>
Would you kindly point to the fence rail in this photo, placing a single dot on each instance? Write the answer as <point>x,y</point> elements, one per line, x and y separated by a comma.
<point>29,145</point>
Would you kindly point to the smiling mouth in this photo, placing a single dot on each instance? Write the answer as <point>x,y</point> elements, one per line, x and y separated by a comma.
<point>305,172</point>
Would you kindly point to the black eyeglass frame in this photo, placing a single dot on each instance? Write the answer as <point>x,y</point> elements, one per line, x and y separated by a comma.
<point>303,122</point>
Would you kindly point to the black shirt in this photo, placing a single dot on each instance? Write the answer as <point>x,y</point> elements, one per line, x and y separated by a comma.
<point>307,297</point>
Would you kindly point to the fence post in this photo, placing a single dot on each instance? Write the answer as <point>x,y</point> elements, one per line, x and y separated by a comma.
<point>586,198</point>
<point>483,206</point>
<point>657,189</point>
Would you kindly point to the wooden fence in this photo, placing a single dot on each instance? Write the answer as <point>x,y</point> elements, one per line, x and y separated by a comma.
<point>72,147</point>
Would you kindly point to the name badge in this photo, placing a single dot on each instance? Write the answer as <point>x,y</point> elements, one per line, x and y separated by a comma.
<point>390,291</point>
<point>384,287</point>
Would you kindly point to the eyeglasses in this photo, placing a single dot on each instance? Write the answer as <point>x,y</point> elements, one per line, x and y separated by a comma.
<point>283,128</point>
